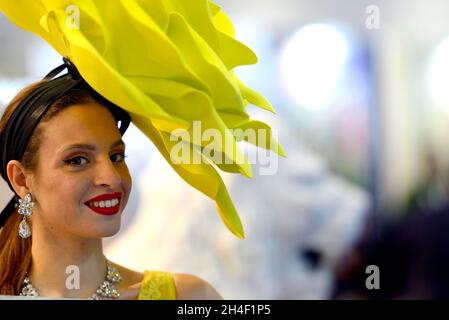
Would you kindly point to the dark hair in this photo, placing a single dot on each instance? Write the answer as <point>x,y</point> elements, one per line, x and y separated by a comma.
<point>15,252</point>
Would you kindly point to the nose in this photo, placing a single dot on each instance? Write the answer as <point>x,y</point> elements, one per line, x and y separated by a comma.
<point>108,174</point>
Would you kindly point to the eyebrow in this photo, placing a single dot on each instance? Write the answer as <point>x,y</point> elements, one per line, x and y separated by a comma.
<point>92,147</point>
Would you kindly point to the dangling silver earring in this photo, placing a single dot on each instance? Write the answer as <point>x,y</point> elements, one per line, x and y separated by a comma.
<point>26,209</point>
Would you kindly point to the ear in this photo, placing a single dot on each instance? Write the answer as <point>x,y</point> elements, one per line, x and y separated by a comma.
<point>18,177</point>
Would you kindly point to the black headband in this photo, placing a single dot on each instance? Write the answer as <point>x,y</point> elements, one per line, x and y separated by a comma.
<point>28,114</point>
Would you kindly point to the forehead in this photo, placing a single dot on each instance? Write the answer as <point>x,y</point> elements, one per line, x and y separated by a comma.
<point>84,123</point>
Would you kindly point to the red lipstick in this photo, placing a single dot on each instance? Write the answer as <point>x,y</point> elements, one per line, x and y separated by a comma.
<point>104,197</point>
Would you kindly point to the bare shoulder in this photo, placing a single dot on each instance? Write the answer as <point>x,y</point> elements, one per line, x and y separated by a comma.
<point>191,287</point>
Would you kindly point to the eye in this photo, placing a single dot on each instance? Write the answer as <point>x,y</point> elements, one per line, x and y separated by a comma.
<point>121,157</point>
<point>75,161</point>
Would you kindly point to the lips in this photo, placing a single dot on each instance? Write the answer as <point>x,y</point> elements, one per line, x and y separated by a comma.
<point>105,210</point>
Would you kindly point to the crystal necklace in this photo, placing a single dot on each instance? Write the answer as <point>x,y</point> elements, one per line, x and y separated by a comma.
<point>105,290</point>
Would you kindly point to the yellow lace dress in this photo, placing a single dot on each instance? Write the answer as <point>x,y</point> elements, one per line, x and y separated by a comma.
<point>157,285</point>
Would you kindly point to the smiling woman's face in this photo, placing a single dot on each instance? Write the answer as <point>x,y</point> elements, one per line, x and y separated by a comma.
<point>67,176</point>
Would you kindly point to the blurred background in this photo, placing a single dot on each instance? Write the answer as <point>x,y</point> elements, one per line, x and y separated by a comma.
<point>363,115</point>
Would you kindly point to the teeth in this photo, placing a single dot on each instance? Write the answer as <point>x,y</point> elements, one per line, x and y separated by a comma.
<point>103,204</point>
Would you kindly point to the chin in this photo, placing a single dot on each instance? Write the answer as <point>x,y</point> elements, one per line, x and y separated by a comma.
<point>107,230</point>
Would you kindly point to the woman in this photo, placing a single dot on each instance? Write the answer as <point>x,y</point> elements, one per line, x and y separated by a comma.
<point>66,162</point>
<point>168,63</point>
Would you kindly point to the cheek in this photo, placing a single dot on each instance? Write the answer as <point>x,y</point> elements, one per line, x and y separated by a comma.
<point>63,195</point>
<point>127,182</point>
